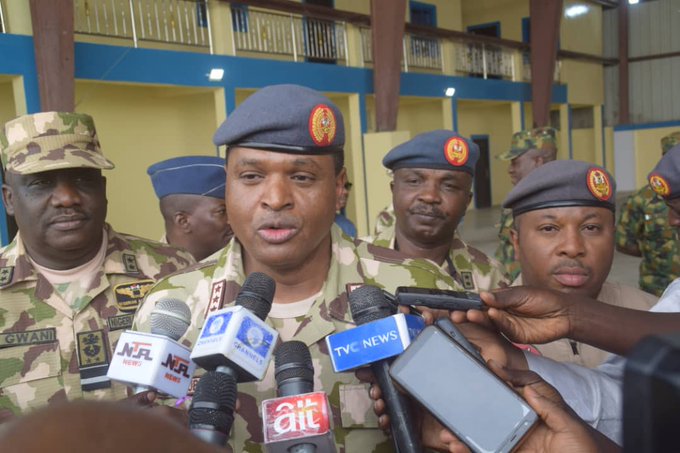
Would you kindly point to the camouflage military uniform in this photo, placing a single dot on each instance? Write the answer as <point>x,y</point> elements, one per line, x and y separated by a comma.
<point>385,219</point>
<point>473,270</point>
<point>44,339</point>
<point>355,425</point>
<point>505,253</point>
<point>643,225</point>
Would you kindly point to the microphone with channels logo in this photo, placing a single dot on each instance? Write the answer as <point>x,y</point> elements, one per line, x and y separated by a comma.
<point>378,337</point>
<point>299,420</point>
<point>236,340</point>
<point>211,413</point>
<point>156,360</point>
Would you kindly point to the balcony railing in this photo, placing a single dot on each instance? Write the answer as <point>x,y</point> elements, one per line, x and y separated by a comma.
<point>481,60</point>
<point>300,37</point>
<point>183,22</point>
<point>418,52</point>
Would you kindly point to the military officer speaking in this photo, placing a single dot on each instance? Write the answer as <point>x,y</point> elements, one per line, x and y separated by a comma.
<point>69,283</point>
<point>431,190</point>
<point>285,174</point>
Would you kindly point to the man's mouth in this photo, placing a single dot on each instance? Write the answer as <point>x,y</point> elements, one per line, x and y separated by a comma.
<point>68,222</point>
<point>277,233</point>
<point>571,276</point>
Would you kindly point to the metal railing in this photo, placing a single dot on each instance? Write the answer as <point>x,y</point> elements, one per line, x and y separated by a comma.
<point>288,34</point>
<point>184,22</point>
<point>3,27</point>
<point>417,51</point>
<point>526,68</point>
<point>481,60</point>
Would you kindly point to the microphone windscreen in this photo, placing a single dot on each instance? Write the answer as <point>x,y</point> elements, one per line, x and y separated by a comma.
<point>292,360</point>
<point>170,318</point>
<point>368,303</point>
<point>257,294</point>
<point>214,401</point>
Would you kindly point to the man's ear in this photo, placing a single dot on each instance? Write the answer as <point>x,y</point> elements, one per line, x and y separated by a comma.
<point>514,237</point>
<point>8,199</point>
<point>340,182</point>
<point>182,221</point>
<point>469,200</point>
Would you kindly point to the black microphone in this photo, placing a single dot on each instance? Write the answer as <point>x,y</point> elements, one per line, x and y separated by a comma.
<point>367,303</point>
<point>211,413</point>
<point>299,420</point>
<point>236,340</point>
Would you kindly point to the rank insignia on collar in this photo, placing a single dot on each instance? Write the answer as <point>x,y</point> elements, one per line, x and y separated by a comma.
<point>130,263</point>
<point>216,297</point>
<point>468,281</point>
<point>6,274</point>
<point>129,295</point>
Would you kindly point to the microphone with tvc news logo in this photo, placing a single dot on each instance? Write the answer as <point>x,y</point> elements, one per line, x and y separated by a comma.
<point>236,340</point>
<point>156,360</point>
<point>211,413</point>
<point>299,420</point>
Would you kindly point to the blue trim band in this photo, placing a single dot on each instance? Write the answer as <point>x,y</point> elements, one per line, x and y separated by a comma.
<point>633,127</point>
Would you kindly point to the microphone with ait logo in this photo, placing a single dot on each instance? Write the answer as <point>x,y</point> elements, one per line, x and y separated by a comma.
<point>156,360</point>
<point>299,420</point>
<point>236,340</point>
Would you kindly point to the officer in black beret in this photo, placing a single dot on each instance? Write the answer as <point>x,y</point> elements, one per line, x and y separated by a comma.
<point>285,176</point>
<point>665,181</point>
<point>191,194</point>
<point>564,239</point>
<point>431,190</point>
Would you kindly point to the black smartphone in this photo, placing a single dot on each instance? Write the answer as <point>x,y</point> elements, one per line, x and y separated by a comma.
<point>439,299</point>
<point>462,393</point>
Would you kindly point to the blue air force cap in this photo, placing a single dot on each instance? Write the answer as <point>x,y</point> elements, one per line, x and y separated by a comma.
<point>189,175</point>
<point>441,149</point>
<point>285,118</point>
<point>563,183</point>
<point>665,178</point>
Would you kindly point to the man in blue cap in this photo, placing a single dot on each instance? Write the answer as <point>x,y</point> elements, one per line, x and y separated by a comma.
<point>285,175</point>
<point>191,193</point>
<point>431,190</point>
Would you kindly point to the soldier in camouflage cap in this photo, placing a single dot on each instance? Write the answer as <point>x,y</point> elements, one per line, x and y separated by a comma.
<point>69,284</point>
<point>529,150</point>
<point>284,178</point>
<point>431,190</point>
<point>564,240</point>
<point>643,230</point>
<point>665,181</point>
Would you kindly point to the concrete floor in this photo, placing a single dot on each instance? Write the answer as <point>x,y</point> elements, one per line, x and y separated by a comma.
<point>480,229</point>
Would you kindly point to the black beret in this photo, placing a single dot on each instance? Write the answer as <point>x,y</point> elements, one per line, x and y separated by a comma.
<point>439,149</point>
<point>286,118</point>
<point>562,183</point>
<point>665,178</point>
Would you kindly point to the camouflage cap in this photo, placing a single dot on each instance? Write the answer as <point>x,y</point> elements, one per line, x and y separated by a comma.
<point>665,178</point>
<point>670,141</point>
<point>51,141</point>
<point>440,149</point>
<point>563,183</point>
<point>523,141</point>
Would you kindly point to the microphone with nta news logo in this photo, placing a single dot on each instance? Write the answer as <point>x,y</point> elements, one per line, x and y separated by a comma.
<point>236,340</point>
<point>156,360</point>
<point>299,420</point>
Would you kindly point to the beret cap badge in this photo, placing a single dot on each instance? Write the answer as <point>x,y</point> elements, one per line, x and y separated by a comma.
<point>599,184</point>
<point>456,151</point>
<point>659,185</point>
<point>322,125</point>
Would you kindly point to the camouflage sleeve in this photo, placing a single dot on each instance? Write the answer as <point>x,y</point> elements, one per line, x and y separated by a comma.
<point>630,225</point>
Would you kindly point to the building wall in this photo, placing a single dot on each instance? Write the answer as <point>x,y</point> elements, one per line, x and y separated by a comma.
<point>492,119</point>
<point>508,12</point>
<point>138,126</point>
<point>648,151</point>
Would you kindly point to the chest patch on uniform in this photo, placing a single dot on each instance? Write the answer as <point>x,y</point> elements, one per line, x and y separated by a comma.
<point>40,336</point>
<point>120,322</point>
<point>216,296</point>
<point>129,295</point>
<point>192,386</point>
<point>91,349</point>
<point>130,263</point>
<point>468,282</point>
<point>6,275</point>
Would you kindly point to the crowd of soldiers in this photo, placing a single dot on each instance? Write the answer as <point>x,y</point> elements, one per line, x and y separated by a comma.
<point>70,284</point>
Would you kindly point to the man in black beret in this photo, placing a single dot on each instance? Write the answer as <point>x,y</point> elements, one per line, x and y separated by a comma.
<point>563,236</point>
<point>285,175</point>
<point>431,190</point>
